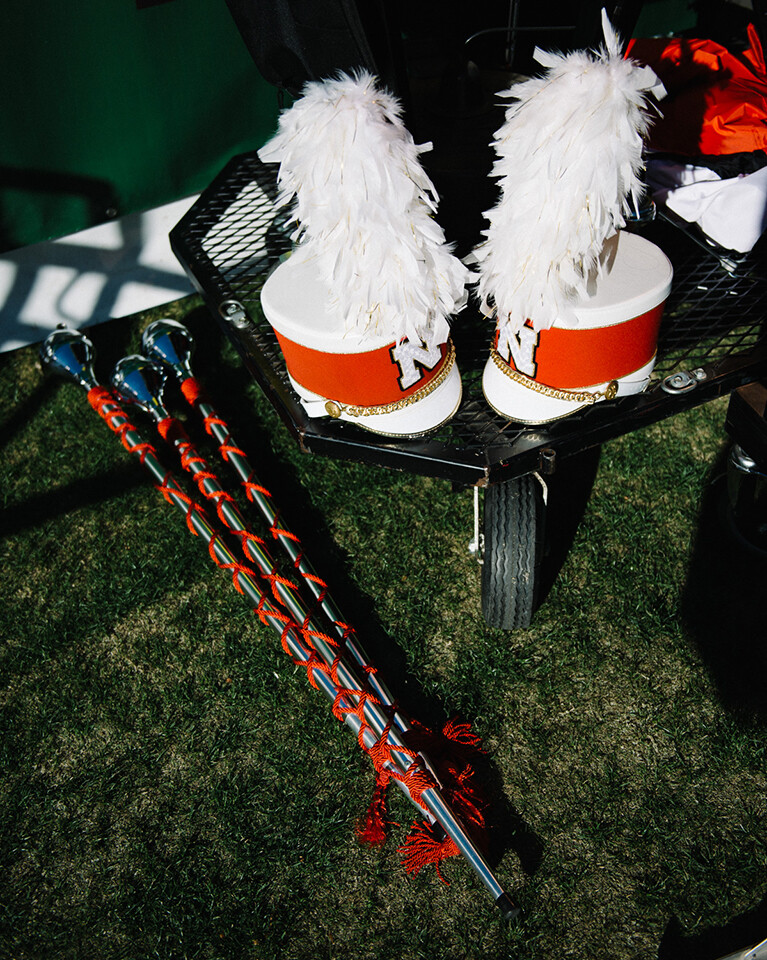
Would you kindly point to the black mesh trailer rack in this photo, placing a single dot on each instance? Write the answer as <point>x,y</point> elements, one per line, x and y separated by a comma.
<point>712,343</point>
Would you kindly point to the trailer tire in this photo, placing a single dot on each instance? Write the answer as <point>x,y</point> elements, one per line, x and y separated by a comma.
<point>513,546</point>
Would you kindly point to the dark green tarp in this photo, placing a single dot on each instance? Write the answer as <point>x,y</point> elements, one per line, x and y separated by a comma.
<point>114,106</point>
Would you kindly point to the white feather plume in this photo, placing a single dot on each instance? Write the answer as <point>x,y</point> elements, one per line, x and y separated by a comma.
<point>569,155</point>
<point>364,208</point>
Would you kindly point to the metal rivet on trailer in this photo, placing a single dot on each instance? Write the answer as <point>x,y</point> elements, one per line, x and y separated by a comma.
<point>683,382</point>
<point>233,312</point>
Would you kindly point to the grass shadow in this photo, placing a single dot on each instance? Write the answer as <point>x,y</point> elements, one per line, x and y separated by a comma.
<point>740,933</point>
<point>723,604</point>
<point>25,412</point>
<point>507,830</point>
<point>569,490</point>
<point>36,510</point>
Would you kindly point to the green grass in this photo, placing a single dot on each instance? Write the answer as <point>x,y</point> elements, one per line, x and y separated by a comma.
<point>172,787</point>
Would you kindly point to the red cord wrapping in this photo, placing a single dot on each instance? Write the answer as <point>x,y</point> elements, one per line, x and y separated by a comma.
<point>105,406</point>
<point>209,486</point>
<point>113,415</point>
<point>229,448</point>
<point>456,773</point>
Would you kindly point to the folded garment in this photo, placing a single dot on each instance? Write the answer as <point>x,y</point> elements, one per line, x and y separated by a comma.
<point>717,101</point>
<point>731,212</point>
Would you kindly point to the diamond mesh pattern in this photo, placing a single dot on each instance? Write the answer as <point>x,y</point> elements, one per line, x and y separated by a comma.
<point>714,319</point>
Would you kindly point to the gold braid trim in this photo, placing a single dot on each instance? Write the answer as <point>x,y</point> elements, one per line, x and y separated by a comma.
<point>334,409</point>
<point>574,396</point>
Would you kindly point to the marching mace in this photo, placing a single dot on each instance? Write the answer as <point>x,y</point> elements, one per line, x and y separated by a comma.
<point>171,343</point>
<point>70,354</point>
<point>140,381</point>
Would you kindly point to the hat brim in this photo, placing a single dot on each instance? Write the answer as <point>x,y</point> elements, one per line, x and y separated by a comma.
<point>517,401</point>
<point>413,418</point>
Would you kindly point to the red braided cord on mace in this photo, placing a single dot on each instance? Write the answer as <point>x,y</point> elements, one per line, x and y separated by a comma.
<point>381,753</point>
<point>209,486</point>
<point>197,398</point>
<point>423,847</point>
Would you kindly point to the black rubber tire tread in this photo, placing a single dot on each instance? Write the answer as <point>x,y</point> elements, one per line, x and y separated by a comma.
<point>513,529</point>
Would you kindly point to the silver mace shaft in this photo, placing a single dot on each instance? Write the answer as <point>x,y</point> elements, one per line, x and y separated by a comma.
<point>70,354</point>
<point>172,344</point>
<point>140,381</point>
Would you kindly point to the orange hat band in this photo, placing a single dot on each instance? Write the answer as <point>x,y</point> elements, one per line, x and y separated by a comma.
<point>369,379</point>
<point>582,356</point>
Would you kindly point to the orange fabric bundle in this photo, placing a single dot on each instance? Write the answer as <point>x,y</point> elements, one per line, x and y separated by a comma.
<point>717,102</point>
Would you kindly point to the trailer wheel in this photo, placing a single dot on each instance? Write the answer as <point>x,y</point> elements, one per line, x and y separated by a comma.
<point>513,547</point>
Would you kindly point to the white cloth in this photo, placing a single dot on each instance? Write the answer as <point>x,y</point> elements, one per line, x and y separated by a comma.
<point>732,212</point>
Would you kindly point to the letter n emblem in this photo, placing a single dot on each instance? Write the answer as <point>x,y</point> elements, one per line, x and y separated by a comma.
<point>412,360</point>
<point>519,347</point>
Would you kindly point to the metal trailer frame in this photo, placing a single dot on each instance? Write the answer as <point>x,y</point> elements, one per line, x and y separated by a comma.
<point>713,342</point>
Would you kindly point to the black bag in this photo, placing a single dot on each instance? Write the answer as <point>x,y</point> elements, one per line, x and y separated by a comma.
<point>293,41</point>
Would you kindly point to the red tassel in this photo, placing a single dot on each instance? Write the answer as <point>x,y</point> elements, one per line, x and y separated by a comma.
<point>451,752</point>
<point>423,849</point>
<point>372,832</point>
<point>462,734</point>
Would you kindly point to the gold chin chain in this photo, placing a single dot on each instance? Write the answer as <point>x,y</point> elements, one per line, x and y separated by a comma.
<point>574,396</point>
<point>334,409</point>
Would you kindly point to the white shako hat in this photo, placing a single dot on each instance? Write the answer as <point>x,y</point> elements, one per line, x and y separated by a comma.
<point>538,376</point>
<point>569,291</point>
<point>397,389</point>
<point>361,305</point>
